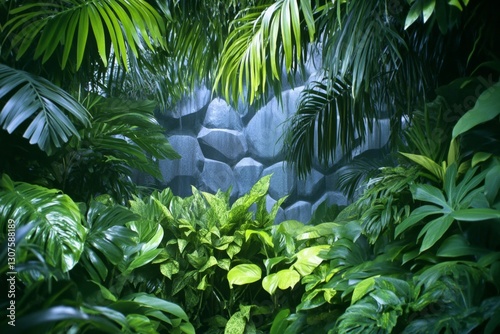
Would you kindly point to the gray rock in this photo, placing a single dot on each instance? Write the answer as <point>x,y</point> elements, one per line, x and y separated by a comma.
<point>311,185</point>
<point>377,138</point>
<point>190,163</point>
<point>216,176</point>
<point>247,172</point>
<point>181,185</point>
<point>223,145</point>
<point>331,197</point>
<point>264,131</point>
<point>283,181</point>
<point>221,115</point>
<point>300,211</point>
<point>191,104</point>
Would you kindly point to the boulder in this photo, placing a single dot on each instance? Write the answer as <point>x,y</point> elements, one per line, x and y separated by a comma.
<point>216,176</point>
<point>283,181</point>
<point>190,163</point>
<point>223,145</point>
<point>193,103</point>
<point>264,131</point>
<point>331,197</point>
<point>300,211</point>
<point>311,185</point>
<point>221,115</point>
<point>247,172</point>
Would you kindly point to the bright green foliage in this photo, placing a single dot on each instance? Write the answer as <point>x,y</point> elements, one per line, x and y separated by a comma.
<point>212,250</point>
<point>57,221</point>
<point>78,269</point>
<point>125,25</point>
<point>418,252</point>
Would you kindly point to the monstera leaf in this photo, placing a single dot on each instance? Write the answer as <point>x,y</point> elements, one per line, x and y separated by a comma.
<point>58,230</point>
<point>107,238</point>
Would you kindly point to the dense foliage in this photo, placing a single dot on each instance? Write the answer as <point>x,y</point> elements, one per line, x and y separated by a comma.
<point>84,250</point>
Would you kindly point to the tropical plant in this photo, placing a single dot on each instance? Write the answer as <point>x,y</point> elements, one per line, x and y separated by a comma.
<point>421,251</point>
<point>205,237</point>
<point>76,274</point>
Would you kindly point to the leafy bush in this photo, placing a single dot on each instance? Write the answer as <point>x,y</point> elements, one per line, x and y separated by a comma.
<point>74,267</point>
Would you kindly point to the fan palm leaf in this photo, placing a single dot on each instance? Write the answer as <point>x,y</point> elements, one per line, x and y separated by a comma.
<point>49,112</point>
<point>128,129</point>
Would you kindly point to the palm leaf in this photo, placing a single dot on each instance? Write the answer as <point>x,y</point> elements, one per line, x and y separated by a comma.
<point>41,105</point>
<point>264,39</point>
<point>114,26</point>
<point>327,119</point>
<point>58,231</point>
<point>126,130</point>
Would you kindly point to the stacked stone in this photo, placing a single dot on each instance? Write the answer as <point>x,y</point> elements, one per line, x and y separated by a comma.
<point>223,148</point>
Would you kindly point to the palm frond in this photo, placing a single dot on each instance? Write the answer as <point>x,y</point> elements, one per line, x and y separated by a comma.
<point>129,130</point>
<point>361,168</point>
<point>40,104</point>
<point>264,40</point>
<point>327,119</point>
<point>112,26</point>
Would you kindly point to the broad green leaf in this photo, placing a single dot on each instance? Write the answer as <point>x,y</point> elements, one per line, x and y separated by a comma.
<point>308,259</point>
<point>413,14</point>
<point>58,229</point>
<point>456,246</point>
<point>486,108</point>
<point>142,259</point>
<point>362,288</point>
<point>283,279</point>
<point>428,193</point>
<point>427,163</point>
<point>458,3</point>
<point>170,268</point>
<point>244,274</point>
<point>475,214</point>
<point>160,304</point>
<point>212,261</point>
<point>236,324</point>
<point>262,235</point>
<point>105,292</point>
<point>480,157</point>
<point>492,184</point>
<point>280,323</point>
<point>416,217</point>
<point>434,230</point>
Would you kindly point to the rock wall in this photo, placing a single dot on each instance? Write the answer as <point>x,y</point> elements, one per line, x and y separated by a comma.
<point>222,148</point>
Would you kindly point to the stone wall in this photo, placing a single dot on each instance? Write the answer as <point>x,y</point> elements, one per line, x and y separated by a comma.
<point>222,148</point>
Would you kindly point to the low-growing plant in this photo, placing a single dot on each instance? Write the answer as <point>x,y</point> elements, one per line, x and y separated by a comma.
<point>74,266</point>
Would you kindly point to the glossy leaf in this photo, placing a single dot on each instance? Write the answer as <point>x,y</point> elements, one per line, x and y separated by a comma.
<point>283,279</point>
<point>309,258</point>
<point>244,274</point>
<point>58,230</point>
<point>486,108</point>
